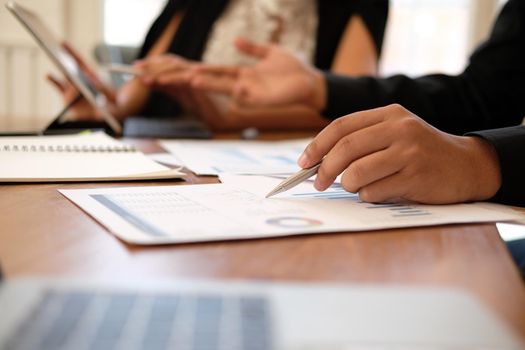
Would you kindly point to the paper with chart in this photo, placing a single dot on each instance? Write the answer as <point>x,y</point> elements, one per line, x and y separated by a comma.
<point>238,157</point>
<point>238,210</point>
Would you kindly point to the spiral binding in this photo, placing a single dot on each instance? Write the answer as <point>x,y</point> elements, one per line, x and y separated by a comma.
<point>69,148</point>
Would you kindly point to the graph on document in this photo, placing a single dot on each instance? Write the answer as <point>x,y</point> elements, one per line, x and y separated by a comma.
<point>337,192</point>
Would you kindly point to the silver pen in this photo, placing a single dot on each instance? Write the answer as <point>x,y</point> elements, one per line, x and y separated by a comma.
<point>294,180</point>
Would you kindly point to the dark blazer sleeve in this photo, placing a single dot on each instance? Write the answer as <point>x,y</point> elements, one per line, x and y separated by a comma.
<point>509,144</point>
<point>488,94</point>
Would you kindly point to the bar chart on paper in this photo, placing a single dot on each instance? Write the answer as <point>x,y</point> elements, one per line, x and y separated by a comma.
<point>238,209</point>
<point>337,192</point>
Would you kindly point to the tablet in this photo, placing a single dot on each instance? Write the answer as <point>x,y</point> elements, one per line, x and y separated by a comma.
<point>62,59</point>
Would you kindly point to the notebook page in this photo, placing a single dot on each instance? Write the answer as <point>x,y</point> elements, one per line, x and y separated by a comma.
<point>95,157</point>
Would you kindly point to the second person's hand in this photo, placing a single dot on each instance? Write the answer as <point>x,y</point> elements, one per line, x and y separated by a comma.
<point>165,71</point>
<point>82,109</point>
<point>279,78</point>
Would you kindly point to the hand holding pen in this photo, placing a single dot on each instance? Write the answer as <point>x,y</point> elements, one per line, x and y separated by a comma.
<point>389,154</point>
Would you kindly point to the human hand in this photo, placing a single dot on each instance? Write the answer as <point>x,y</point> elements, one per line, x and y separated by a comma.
<point>389,154</point>
<point>82,109</point>
<point>165,71</point>
<point>91,75</point>
<point>279,78</point>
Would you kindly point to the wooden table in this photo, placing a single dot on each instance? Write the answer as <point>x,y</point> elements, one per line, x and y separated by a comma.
<point>42,234</point>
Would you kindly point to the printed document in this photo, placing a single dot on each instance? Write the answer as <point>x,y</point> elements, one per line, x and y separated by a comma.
<point>238,210</point>
<point>238,157</point>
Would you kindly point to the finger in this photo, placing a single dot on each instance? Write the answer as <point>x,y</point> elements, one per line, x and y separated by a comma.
<point>165,66</point>
<point>78,58</point>
<point>171,74</point>
<point>61,86</point>
<point>231,71</point>
<point>245,89</point>
<point>220,84</point>
<point>108,92</point>
<point>349,149</point>
<point>142,65</point>
<point>241,96</point>
<point>251,48</point>
<point>173,78</point>
<point>389,189</point>
<point>166,63</point>
<point>89,73</point>
<point>73,52</point>
<point>145,66</point>
<point>370,169</point>
<point>334,132</point>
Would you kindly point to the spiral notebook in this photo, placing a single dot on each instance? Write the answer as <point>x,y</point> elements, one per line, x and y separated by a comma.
<point>75,158</point>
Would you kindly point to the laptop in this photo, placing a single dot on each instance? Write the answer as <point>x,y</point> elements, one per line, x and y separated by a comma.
<point>68,66</point>
<point>203,315</point>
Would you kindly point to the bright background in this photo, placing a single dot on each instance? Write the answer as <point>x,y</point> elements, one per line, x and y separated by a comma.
<point>422,35</point>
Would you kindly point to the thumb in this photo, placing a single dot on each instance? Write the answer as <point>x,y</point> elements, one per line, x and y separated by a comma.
<point>252,48</point>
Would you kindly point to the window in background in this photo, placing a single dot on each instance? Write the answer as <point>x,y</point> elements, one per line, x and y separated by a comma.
<point>126,22</point>
<point>423,36</point>
<point>427,36</point>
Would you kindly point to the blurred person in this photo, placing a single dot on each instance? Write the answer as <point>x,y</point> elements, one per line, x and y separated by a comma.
<point>488,94</point>
<point>342,36</point>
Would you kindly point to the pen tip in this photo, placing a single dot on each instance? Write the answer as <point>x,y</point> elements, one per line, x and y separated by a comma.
<point>274,192</point>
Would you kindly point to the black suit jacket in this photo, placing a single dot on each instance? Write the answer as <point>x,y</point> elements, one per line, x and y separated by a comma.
<point>510,147</point>
<point>489,94</point>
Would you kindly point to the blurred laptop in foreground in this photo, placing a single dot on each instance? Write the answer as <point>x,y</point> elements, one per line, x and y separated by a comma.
<point>229,316</point>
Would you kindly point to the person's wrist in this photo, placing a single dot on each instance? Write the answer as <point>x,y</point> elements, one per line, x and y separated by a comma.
<point>487,171</point>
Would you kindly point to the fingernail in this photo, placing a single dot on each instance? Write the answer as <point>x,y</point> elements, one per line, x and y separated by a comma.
<point>302,162</point>
<point>317,184</point>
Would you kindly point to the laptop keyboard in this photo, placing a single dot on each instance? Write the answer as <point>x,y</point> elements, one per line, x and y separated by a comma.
<point>77,320</point>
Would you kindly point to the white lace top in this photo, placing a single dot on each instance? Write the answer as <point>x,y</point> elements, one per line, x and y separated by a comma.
<point>289,23</point>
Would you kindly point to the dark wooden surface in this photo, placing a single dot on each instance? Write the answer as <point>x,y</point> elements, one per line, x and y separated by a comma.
<point>42,234</point>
